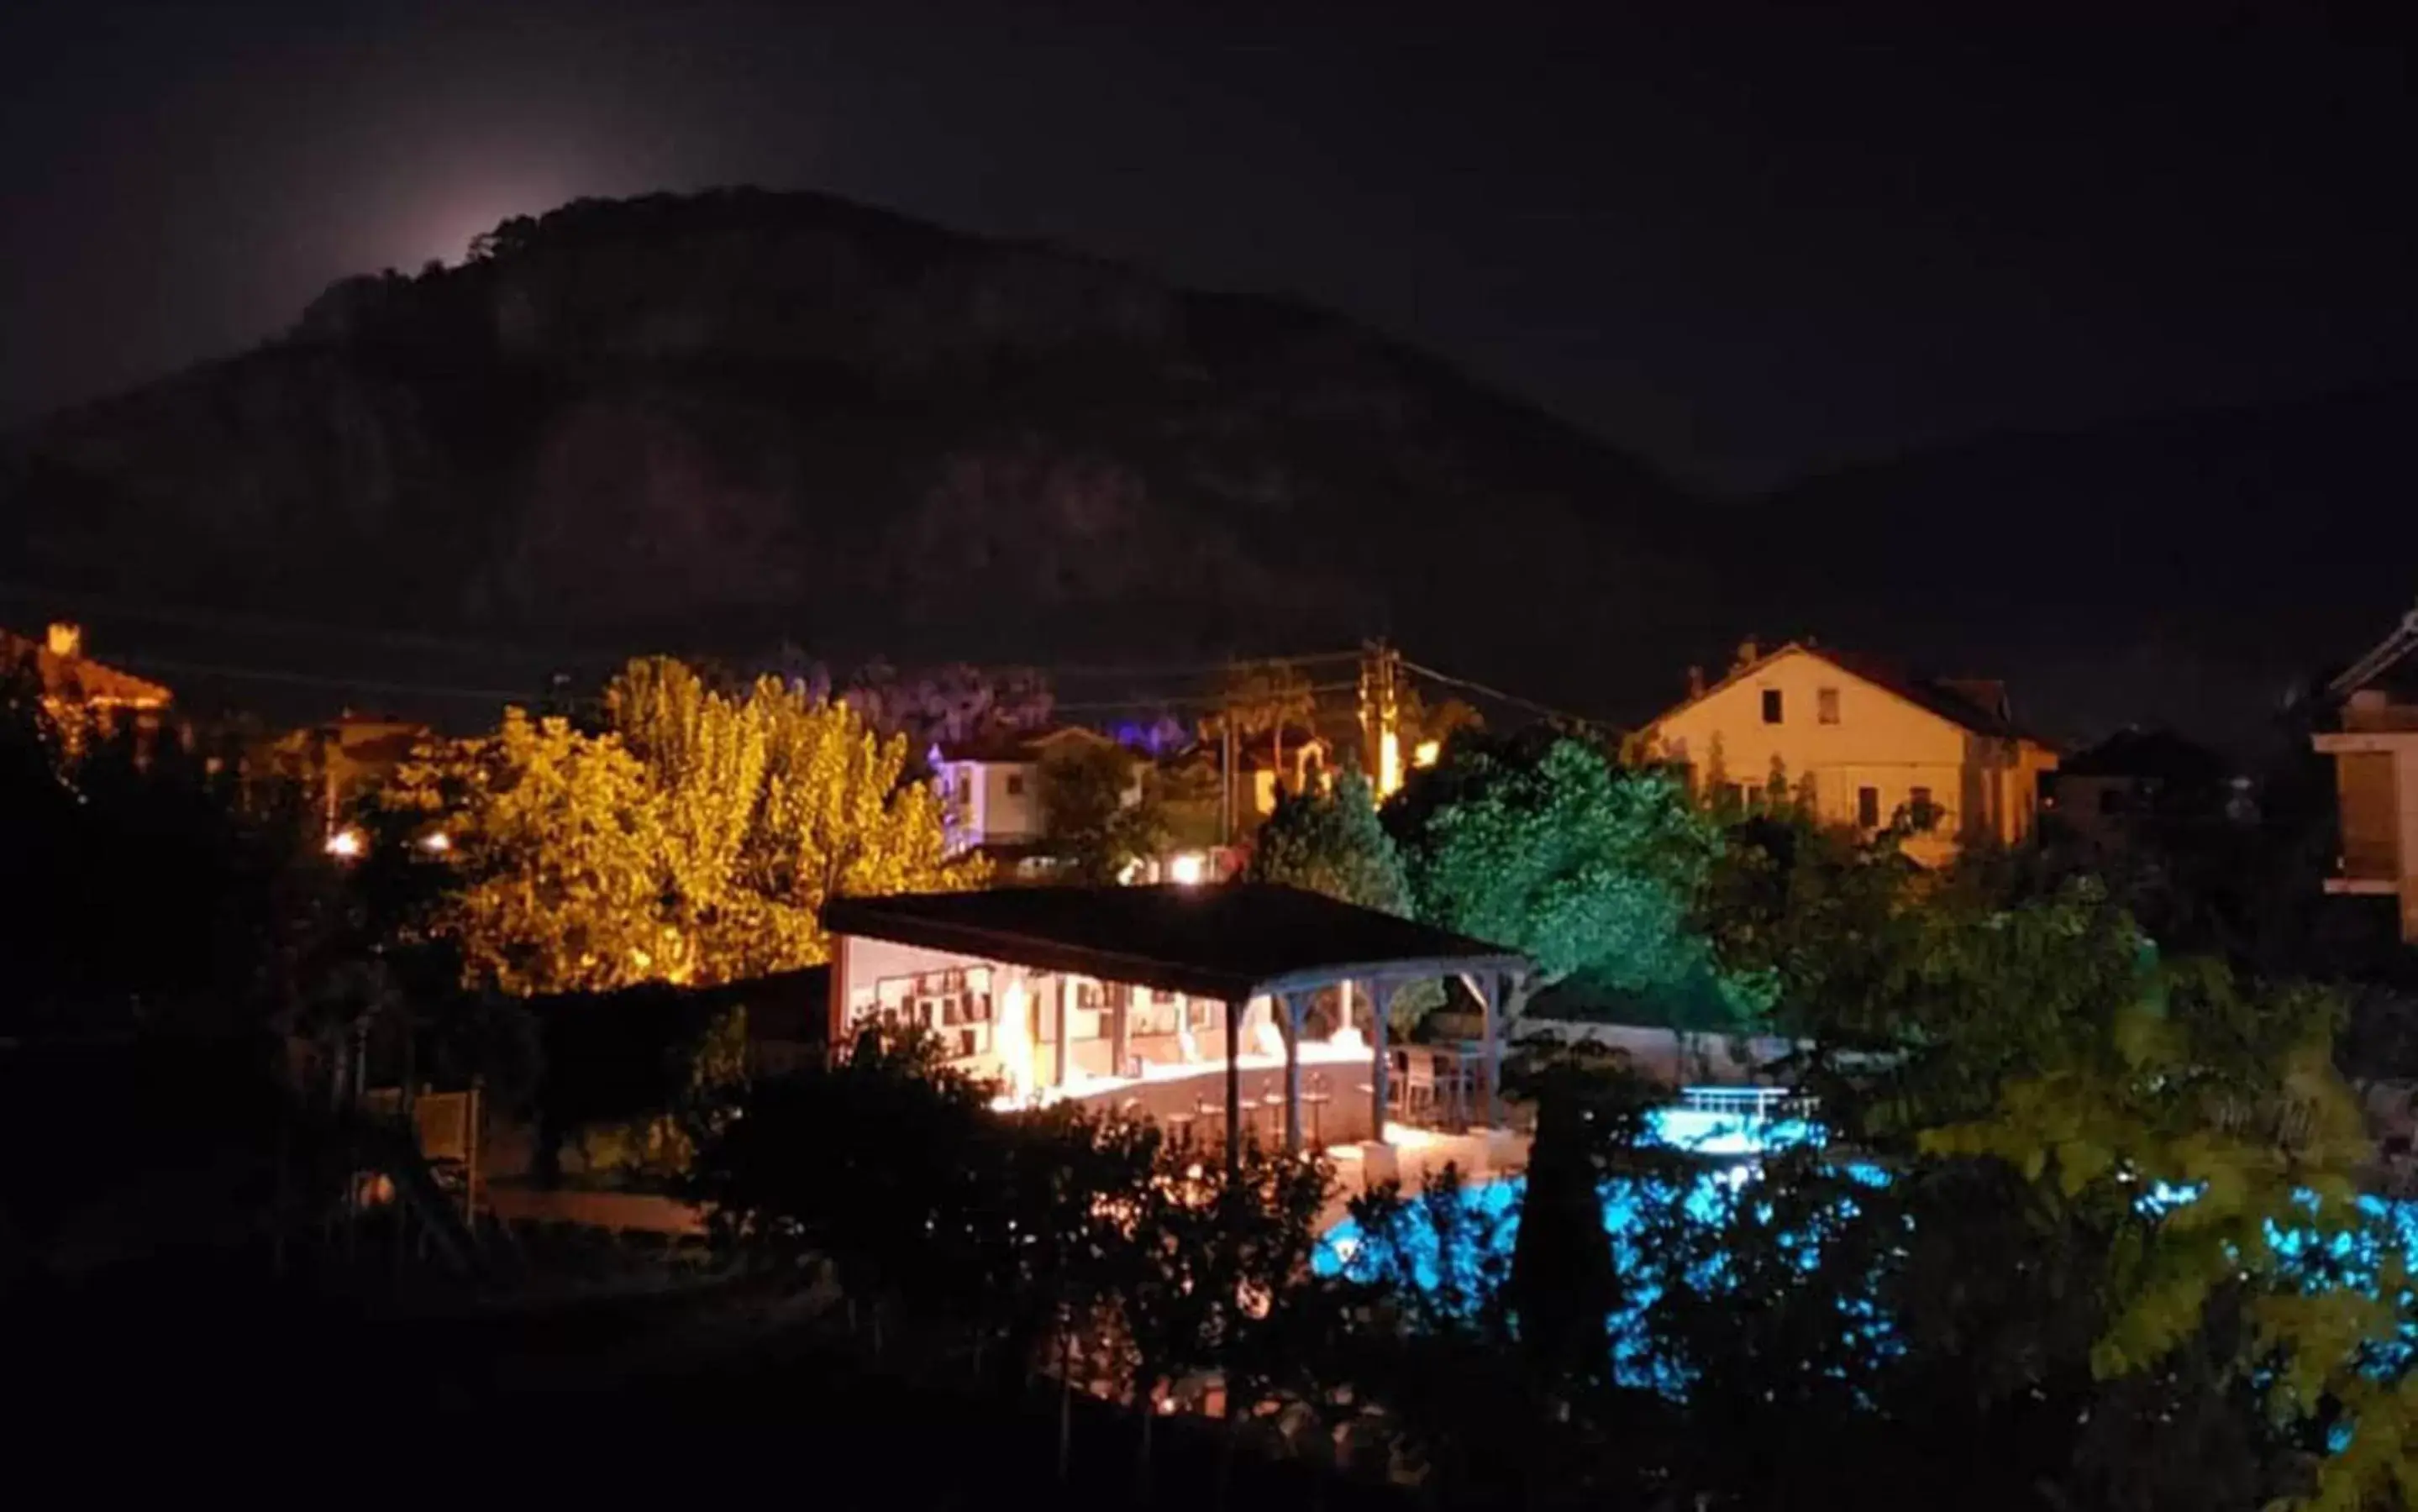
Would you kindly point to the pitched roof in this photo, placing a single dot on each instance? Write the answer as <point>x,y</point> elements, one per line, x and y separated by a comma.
<point>1231,942</point>
<point>1016,745</point>
<point>1976,703</point>
<point>79,678</point>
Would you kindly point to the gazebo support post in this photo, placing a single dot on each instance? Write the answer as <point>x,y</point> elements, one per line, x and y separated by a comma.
<point>1233,1093</point>
<point>1296,1006</point>
<point>1381,1064</point>
<point>1058,1027</point>
<point>1490,984</point>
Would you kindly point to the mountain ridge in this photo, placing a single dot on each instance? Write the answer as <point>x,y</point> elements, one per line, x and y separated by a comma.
<point>738,417</point>
<point>724,422</point>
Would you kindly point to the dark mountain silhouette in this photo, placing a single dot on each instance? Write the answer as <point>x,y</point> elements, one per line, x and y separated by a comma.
<point>726,421</point>
<point>2185,569</point>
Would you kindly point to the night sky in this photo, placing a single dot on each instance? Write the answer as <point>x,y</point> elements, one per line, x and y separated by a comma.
<point>1741,242</point>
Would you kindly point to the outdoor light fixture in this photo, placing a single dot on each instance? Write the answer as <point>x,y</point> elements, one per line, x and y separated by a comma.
<point>436,843</point>
<point>1188,868</point>
<point>345,845</point>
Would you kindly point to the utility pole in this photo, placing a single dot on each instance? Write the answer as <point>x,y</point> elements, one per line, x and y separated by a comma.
<point>1380,717</point>
<point>1226,780</point>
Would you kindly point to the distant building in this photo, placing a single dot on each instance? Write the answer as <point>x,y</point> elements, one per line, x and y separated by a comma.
<point>1308,767</point>
<point>990,791</point>
<point>347,757</point>
<point>74,683</point>
<point>1864,742</point>
<point>2374,745</point>
<point>2136,780</point>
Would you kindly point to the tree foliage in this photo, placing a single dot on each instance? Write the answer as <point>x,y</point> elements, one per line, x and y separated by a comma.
<point>2027,1288</point>
<point>1266,698</point>
<point>1057,1238</point>
<point>1099,814</point>
<point>695,840</point>
<point>1332,843</point>
<point>148,875</point>
<point>1555,853</point>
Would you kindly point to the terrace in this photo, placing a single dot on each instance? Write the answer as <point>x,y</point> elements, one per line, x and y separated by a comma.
<point>1219,1012</point>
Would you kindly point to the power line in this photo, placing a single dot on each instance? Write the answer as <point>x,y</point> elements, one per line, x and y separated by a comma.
<point>189,617</point>
<point>1237,664</point>
<point>1513,698</point>
<point>177,667</point>
<point>1187,700</point>
<point>320,634</point>
<point>313,679</point>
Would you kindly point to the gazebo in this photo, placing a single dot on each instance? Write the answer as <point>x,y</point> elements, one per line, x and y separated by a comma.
<point>1102,991</point>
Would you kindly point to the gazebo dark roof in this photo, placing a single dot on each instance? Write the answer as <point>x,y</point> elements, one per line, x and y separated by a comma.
<point>1228,942</point>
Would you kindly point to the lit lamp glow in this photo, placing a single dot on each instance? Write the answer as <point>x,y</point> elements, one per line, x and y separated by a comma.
<point>1425,753</point>
<point>345,845</point>
<point>1012,1041</point>
<point>436,843</point>
<point>1188,868</point>
<point>1389,764</point>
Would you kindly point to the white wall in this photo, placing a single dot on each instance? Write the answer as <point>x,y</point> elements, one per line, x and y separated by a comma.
<point>991,803</point>
<point>1011,802</point>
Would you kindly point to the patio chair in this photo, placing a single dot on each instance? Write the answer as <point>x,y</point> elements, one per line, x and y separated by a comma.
<point>1415,1076</point>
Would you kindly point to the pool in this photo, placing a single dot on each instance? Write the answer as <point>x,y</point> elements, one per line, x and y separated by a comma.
<point>1488,1218</point>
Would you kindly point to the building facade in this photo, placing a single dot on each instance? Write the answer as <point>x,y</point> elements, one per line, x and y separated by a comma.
<point>1861,744</point>
<point>2374,745</point>
<point>991,789</point>
<point>73,683</point>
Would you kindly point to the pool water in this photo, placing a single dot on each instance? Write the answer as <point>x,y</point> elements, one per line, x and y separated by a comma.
<point>1489,1218</point>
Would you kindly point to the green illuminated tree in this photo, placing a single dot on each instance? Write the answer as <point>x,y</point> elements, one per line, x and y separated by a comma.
<point>2016,1298</point>
<point>1558,854</point>
<point>1332,843</point>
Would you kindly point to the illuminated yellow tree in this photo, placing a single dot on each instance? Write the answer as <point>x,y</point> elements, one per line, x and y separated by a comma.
<point>695,842</point>
<point>835,819</point>
<point>704,756</point>
<point>557,837</point>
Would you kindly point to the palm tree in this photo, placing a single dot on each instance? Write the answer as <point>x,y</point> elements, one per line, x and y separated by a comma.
<point>1264,697</point>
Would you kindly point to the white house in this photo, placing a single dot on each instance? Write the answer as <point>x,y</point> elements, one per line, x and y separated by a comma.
<point>990,788</point>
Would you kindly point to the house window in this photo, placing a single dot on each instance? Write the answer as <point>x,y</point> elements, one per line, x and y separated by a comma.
<point>1919,808</point>
<point>1825,705</point>
<point>1737,796</point>
<point>1868,807</point>
<point>1016,784</point>
<point>1771,706</point>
